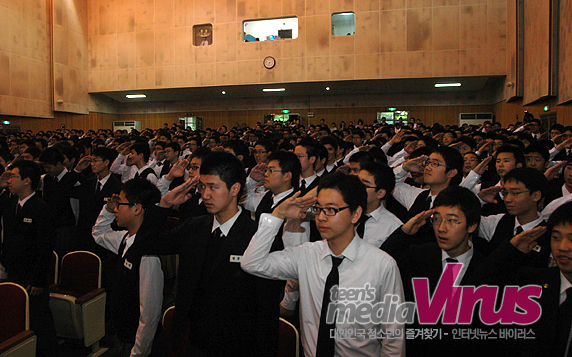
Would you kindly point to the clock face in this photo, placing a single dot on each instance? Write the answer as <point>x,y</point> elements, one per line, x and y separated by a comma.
<point>269,62</point>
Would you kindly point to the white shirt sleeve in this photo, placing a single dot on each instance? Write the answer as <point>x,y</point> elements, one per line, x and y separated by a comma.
<point>347,158</point>
<point>258,261</point>
<point>104,235</point>
<point>118,166</point>
<point>488,225</point>
<point>150,303</point>
<point>253,197</point>
<point>404,193</point>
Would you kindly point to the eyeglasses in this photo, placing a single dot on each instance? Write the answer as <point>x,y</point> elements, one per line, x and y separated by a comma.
<point>301,156</point>
<point>449,223</point>
<point>433,163</point>
<point>125,204</point>
<point>504,193</point>
<point>260,152</point>
<point>271,171</point>
<point>367,186</point>
<point>328,211</point>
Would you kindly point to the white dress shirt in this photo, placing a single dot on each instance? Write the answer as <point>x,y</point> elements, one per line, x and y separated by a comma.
<point>404,193</point>
<point>150,282</point>
<point>380,226</point>
<point>363,265</point>
<point>489,224</point>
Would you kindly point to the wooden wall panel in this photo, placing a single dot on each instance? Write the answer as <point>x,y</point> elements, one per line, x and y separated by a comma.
<point>565,52</point>
<point>512,51</point>
<point>537,50</point>
<point>506,113</point>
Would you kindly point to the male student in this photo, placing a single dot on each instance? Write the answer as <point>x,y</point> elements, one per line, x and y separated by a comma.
<point>229,312</point>
<point>135,165</point>
<point>454,218</point>
<point>27,243</point>
<point>93,191</point>
<point>139,294</point>
<point>331,144</point>
<point>341,259</point>
<point>377,222</point>
<point>522,191</point>
<point>508,266</point>
<point>307,153</point>
<point>57,185</point>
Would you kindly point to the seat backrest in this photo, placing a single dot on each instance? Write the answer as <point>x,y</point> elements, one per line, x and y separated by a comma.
<point>13,310</point>
<point>80,272</point>
<point>288,343</point>
<point>53,273</point>
<point>168,319</point>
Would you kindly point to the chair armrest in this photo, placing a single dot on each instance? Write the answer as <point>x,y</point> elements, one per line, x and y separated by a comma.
<point>13,341</point>
<point>91,295</point>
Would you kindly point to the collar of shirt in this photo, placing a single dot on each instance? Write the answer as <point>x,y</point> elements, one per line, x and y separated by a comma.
<point>128,242</point>
<point>464,259</point>
<point>529,225</point>
<point>141,169</point>
<point>564,285</point>
<point>226,226</point>
<point>319,174</point>
<point>103,181</point>
<point>309,179</point>
<point>378,212</point>
<point>565,191</point>
<point>277,198</point>
<point>350,252</point>
<point>62,174</point>
<point>22,202</point>
<point>331,167</point>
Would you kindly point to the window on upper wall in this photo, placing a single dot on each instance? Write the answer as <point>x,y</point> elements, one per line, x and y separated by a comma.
<point>343,23</point>
<point>203,35</point>
<point>270,29</point>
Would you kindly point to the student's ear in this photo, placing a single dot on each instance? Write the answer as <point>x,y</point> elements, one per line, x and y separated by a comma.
<point>472,228</point>
<point>356,215</point>
<point>287,177</point>
<point>536,195</point>
<point>234,189</point>
<point>519,165</point>
<point>240,157</point>
<point>380,193</point>
<point>312,159</point>
<point>452,173</point>
<point>138,209</point>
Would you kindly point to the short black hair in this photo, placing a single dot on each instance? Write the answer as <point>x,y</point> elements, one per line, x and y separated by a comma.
<point>464,199</point>
<point>141,191</point>
<point>237,146</point>
<point>560,216</point>
<point>174,145</point>
<point>454,161</point>
<point>227,167</point>
<point>349,186</point>
<point>142,148</point>
<point>52,156</point>
<point>532,179</point>
<point>28,169</point>
<point>267,145</point>
<point>516,152</point>
<point>105,154</point>
<point>331,140</point>
<point>469,141</point>
<point>288,162</point>
<point>538,148</point>
<point>311,147</point>
<point>34,151</point>
<point>200,153</point>
<point>383,176</point>
<point>361,157</point>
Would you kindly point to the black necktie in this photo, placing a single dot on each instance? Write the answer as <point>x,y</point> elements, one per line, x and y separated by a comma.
<point>326,343</point>
<point>98,188</point>
<point>361,227</point>
<point>136,175</point>
<point>429,202</point>
<point>18,209</point>
<point>265,205</point>
<point>518,230</point>
<point>451,260</point>
<point>564,324</point>
<point>303,185</point>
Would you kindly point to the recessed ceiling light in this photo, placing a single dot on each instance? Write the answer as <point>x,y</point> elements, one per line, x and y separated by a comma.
<point>223,92</point>
<point>273,89</point>
<point>133,96</point>
<point>327,88</point>
<point>441,85</point>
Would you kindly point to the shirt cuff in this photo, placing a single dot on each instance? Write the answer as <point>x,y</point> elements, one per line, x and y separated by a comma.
<point>268,220</point>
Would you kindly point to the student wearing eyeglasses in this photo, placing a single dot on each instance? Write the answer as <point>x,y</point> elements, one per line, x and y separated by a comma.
<point>338,207</point>
<point>443,168</point>
<point>521,193</point>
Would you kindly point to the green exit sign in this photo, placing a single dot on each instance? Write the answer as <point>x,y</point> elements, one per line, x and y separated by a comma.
<point>285,111</point>
<point>6,122</point>
<point>392,109</point>
<point>546,108</point>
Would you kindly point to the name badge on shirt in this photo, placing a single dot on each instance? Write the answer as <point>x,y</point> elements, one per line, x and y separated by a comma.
<point>127,264</point>
<point>235,258</point>
<point>27,220</point>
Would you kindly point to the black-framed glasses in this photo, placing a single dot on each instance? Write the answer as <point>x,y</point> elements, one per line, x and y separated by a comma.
<point>368,186</point>
<point>125,204</point>
<point>271,171</point>
<point>433,163</point>
<point>328,211</point>
<point>504,193</point>
<point>449,223</point>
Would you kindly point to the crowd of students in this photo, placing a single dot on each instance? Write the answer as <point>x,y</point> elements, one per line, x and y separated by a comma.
<point>286,220</point>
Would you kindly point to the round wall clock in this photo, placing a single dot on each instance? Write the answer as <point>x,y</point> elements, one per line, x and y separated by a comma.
<point>269,62</point>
